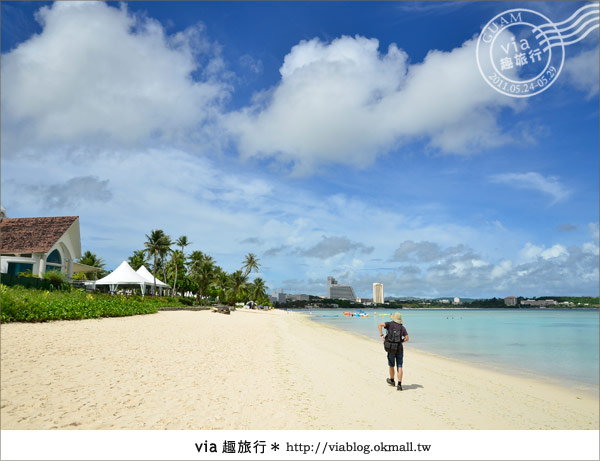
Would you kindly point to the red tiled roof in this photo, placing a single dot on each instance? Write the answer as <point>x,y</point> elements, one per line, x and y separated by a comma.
<point>32,235</point>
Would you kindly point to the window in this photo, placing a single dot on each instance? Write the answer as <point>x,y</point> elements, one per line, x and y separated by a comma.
<point>54,261</point>
<point>15,268</point>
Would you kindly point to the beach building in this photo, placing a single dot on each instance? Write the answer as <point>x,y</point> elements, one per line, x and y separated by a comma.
<point>456,301</point>
<point>337,291</point>
<point>378,293</point>
<point>40,245</point>
<point>510,301</point>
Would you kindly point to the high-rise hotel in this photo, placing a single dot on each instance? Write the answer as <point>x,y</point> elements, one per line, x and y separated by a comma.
<point>378,293</point>
<point>338,291</point>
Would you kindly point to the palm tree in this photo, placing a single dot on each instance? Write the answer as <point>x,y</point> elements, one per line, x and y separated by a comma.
<point>198,257</point>
<point>180,242</point>
<point>137,259</point>
<point>91,259</point>
<point>177,262</point>
<point>251,262</point>
<point>237,284</point>
<point>163,252</point>
<point>258,289</point>
<point>221,284</point>
<point>155,244</point>
<point>202,271</point>
<point>204,277</point>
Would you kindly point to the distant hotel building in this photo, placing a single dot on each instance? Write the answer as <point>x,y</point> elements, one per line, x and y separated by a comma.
<point>539,302</point>
<point>337,291</point>
<point>510,301</point>
<point>378,293</point>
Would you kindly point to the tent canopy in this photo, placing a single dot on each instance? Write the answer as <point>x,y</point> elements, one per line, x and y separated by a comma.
<point>79,267</point>
<point>123,275</point>
<point>149,278</point>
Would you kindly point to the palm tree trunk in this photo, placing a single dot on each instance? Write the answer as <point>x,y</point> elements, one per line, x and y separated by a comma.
<point>175,282</point>
<point>154,273</point>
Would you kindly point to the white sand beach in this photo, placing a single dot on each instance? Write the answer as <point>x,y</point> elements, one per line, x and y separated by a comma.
<point>255,370</point>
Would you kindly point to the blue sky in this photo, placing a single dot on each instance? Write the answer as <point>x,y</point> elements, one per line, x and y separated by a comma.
<point>349,139</point>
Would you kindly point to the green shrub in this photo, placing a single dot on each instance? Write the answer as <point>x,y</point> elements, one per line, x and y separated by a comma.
<point>58,280</point>
<point>20,304</point>
<point>28,274</point>
<point>27,305</point>
<point>186,301</point>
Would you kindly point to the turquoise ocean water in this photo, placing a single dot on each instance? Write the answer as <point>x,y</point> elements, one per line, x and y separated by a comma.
<point>555,344</point>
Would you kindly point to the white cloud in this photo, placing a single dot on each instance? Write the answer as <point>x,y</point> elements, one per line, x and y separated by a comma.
<point>254,65</point>
<point>503,268</point>
<point>101,74</point>
<point>499,225</point>
<point>333,246</point>
<point>534,181</point>
<point>581,71</point>
<point>591,248</point>
<point>417,251</point>
<point>345,102</point>
<point>554,251</point>
<point>74,192</point>
<point>530,252</point>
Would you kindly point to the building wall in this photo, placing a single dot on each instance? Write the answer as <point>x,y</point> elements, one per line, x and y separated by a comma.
<point>378,293</point>
<point>342,292</point>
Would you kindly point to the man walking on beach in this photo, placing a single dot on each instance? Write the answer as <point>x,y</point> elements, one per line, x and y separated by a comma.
<point>392,342</point>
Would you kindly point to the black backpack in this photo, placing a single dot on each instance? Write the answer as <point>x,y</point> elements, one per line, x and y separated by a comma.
<point>393,338</point>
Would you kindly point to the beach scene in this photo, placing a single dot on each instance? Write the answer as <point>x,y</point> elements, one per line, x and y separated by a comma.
<point>300,216</point>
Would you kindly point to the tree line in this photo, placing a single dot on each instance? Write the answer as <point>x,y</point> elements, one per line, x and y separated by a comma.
<point>195,273</point>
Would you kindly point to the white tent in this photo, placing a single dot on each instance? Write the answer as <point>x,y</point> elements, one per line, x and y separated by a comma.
<point>123,275</point>
<point>145,273</point>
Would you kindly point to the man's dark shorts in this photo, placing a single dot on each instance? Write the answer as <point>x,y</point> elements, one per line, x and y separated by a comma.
<point>396,358</point>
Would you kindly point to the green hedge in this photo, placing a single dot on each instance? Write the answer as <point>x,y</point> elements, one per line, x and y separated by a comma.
<point>19,304</point>
<point>28,282</point>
